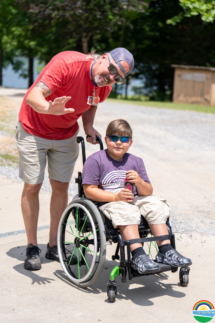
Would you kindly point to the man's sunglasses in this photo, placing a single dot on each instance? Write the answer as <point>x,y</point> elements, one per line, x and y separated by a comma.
<point>114,138</point>
<point>112,69</point>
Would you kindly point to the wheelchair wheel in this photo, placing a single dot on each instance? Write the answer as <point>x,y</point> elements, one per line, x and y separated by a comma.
<point>82,242</point>
<point>184,277</point>
<point>112,294</point>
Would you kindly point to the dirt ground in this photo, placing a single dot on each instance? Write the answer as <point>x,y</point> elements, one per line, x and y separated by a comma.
<point>10,102</point>
<point>178,149</point>
<point>8,116</point>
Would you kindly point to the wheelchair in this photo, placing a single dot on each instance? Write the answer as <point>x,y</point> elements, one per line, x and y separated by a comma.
<point>84,231</point>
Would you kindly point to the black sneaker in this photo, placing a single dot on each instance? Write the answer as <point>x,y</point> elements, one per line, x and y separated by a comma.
<point>52,253</point>
<point>72,261</point>
<point>32,259</point>
<point>145,265</point>
<point>173,258</point>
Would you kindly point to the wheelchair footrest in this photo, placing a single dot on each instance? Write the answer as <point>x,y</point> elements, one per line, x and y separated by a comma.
<point>162,269</point>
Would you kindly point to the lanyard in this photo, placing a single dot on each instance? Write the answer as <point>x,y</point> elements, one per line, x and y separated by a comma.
<point>93,100</point>
<point>91,73</point>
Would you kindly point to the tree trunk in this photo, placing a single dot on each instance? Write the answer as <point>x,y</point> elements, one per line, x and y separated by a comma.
<point>85,39</point>
<point>85,45</point>
<point>115,90</point>
<point>30,71</point>
<point>1,68</point>
<point>126,88</point>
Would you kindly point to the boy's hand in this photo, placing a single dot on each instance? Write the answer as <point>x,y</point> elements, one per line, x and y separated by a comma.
<point>125,195</point>
<point>133,177</point>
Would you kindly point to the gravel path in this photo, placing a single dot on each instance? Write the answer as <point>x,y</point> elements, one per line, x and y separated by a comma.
<point>178,148</point>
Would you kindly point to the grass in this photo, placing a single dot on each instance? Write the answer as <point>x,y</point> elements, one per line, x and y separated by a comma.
<point>8,116</point>
<point>142,101</point>
<point>7,124</point>
<point>10,158</point>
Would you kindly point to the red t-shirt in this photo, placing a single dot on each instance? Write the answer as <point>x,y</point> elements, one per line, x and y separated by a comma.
<point>67,74</point>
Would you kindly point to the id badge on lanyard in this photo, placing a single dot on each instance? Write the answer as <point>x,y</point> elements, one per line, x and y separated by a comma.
<point>93,100</point>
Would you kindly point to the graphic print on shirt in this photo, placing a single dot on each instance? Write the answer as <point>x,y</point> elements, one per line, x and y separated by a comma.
<point>114,181</point>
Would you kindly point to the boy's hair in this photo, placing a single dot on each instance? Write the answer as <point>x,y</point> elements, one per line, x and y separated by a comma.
<point>119,127</point>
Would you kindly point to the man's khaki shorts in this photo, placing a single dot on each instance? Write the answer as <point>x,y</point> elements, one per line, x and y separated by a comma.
<point>34,151</point>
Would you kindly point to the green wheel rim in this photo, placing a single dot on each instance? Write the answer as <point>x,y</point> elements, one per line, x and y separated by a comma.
<point>79,250</point>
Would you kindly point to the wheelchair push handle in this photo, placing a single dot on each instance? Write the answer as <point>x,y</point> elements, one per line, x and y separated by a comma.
<point>81,140</point>
<point>98,140</point>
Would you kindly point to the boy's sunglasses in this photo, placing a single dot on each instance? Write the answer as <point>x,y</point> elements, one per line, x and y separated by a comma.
<point>112,69</point>
<point>116,138</point>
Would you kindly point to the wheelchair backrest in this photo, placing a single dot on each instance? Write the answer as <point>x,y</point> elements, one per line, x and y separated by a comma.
<point>78,180</point>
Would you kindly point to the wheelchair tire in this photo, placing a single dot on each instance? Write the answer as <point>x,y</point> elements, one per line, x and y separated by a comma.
<point>111,294</point>
<point>183,277</point>
<point>80,230</point>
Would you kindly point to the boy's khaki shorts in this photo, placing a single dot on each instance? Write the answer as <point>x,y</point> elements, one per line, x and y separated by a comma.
<point>153,208</point>
<point>34,151</point>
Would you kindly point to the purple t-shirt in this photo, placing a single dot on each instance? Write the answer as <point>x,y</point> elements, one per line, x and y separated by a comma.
<point>109,174</point>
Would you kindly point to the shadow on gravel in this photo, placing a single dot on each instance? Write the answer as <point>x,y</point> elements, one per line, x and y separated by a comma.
<point>19,254</point>
<point>140,291</point>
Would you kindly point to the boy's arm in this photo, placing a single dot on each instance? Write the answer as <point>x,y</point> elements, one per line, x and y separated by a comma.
<point>143,187</point>
<point>94,193</point>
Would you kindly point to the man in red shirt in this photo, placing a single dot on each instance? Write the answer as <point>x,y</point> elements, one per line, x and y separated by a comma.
<point>71,85</point>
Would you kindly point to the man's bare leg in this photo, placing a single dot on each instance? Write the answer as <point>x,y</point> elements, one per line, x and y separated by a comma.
<point>59,201</point>
<point>159,230</point>
<point>30,210</point>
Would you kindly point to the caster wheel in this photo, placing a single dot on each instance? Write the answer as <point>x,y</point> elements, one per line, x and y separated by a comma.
<point>111,294</point>
<point>184,277</point>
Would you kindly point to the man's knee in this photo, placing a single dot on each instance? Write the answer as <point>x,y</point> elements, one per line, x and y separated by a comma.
<point>59,187</point>
<point>32,189</point>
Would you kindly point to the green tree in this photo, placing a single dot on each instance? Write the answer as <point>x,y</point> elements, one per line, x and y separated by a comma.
<point>204,8</point>
<point>80,24</point>
<point>15,39</point>
<point>157,45</point>
<point>6,53</point>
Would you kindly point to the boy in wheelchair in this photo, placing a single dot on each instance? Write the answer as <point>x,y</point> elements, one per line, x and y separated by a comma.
<point>103,181</point>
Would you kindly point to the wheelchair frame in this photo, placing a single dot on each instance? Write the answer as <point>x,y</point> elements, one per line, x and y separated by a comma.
<point>111,235</point>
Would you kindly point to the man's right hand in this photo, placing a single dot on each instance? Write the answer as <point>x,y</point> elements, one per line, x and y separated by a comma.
<point>57,107</point>
<point>125,195</point>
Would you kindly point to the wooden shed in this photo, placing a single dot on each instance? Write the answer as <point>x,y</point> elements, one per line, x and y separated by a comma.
<point>194,84</point>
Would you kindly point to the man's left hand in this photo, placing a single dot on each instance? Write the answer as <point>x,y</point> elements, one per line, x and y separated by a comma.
<point>92,133</point>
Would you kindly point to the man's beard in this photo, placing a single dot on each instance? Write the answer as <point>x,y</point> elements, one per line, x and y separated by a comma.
<point>99,79</point>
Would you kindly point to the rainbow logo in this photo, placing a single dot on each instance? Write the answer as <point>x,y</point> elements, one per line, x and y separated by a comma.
<point>203,311</point>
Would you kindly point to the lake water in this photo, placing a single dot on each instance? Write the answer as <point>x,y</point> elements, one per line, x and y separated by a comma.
<point>13,80</point>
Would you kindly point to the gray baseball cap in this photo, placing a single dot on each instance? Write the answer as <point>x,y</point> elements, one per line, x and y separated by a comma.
<point>122,54</point>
